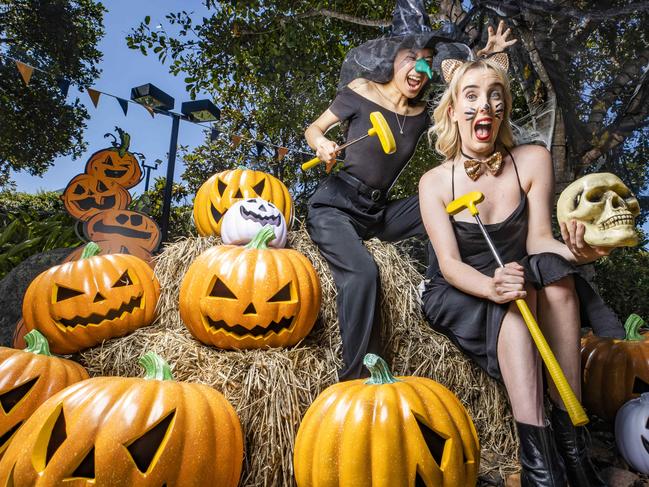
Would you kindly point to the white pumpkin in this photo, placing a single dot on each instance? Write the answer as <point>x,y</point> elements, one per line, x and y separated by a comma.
<point>632,432</point>
<point>245,218</point>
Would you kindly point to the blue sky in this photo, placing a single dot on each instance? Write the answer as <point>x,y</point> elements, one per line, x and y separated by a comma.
<point>123,68</point>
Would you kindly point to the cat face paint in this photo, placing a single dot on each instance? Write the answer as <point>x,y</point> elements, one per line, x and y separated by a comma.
<point>479,110</point>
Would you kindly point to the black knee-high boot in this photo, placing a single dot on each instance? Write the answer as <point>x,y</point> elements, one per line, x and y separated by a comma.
<point>573,443</point>
<point>542,466</point>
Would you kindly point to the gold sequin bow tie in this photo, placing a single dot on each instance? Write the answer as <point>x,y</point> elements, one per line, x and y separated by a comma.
<point>475,167</point>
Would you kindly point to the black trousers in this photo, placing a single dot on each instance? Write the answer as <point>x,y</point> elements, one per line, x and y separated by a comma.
<point>340,217</point>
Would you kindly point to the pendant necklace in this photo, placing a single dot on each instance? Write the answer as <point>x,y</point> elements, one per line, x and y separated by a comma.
<point>396,115</point>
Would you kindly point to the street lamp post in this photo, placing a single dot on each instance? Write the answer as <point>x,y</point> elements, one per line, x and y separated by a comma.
<point>161,102</point>
<point>148,172</point>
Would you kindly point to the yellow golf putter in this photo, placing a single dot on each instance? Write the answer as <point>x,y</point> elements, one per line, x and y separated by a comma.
<point>380,128</point>
<point>576,412</point>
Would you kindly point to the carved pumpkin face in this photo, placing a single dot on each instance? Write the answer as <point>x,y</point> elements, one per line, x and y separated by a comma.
<point>614,371</point>
<point>124,227</point>
<point>116,164</point>
<point>403,432</point>
<point>245,218</point>
<point>128,432</point>
<point>222,190</point>
<point>632,433</point>
<point>78,304</point>
<point>27,379</point>
<point>86,195</point>
<point>250,297</point>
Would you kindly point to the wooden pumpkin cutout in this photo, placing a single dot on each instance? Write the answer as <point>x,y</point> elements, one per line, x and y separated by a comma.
<point>129,432</point>
<point>130,229</point>
<point>386,432</point>
<point>27,379</point>
<point>237,297</point>
<point>222,190</point>
<point>79,304</point>
<point>614,371</point>
<point>116,163</point>
<point>86,195</point>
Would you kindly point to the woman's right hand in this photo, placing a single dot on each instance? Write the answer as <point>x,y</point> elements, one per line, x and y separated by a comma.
<point>326,150</point>
<point>508,284</point>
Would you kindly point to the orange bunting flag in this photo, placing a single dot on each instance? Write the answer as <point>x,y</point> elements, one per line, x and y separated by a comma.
<point>281,152</point>
<point>236,140</point>
<point>150,110</point>
<point>25,71</point>
<point>94,96</point>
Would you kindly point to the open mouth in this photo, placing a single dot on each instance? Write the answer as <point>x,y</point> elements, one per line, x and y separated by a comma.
<point>258,331</point>
<point>112,173</point>
<point>482,129</point>
<point>123,231</point>
<point>625,219</point>
<point>95,319</point>
<point>90,203</point>
<point>414,82</point>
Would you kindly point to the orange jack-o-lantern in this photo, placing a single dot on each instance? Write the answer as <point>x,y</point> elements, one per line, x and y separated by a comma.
<point>614,371</point>
<point>79,304</point>
<point>222,190</point>
<point>116,164</point>
<point>129,432</point>
<point>87,194</point>
<point>27,379</point>
<point>124,227</point>
<point>250,297</point>
<point>386,431</point>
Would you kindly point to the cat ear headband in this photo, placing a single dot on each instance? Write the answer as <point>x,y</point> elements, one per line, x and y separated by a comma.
<point>449,66</point>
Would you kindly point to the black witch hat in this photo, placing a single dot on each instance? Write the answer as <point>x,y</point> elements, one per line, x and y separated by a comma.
<point>374,60</point>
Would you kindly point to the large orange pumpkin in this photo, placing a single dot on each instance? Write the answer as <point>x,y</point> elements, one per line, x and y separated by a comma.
<point>129,432</point>
<point>86,195</point>
<point>250,297</point>
<point>386,432</point>
<point>116,163</point>
<point>79,304</point>
<point>614,371</point>
<point>224,189</point>
<point>27,379</point>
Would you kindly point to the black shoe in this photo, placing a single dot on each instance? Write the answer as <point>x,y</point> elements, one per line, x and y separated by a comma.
<point>573,443</point>
<point>542,466</point>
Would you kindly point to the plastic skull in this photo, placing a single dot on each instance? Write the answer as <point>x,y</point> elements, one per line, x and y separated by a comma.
<point>603,203</point>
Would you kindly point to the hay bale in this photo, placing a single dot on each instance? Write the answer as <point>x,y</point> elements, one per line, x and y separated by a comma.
<point>271,389</point>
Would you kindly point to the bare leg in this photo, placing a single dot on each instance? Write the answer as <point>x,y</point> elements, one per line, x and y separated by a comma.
<point>558,316</point>
<point>520,365</point>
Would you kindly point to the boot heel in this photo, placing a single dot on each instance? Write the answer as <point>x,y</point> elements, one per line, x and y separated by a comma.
<point>542,466</point>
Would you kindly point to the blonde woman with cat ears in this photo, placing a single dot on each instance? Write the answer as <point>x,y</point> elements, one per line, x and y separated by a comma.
<point>471,300</point>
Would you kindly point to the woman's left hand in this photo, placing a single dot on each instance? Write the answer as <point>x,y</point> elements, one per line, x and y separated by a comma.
<point>497,41</point>
<point>572,233</point>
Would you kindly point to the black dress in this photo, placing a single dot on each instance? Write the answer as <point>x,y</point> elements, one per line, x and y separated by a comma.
<point>473,323</point>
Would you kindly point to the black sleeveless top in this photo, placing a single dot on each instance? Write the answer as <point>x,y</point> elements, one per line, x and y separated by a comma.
<point>365,160</point>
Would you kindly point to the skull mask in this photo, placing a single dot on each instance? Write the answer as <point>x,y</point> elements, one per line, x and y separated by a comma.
<point>606,207</point>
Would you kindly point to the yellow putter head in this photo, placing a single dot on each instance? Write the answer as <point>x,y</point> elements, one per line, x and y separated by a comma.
<point>381,129</point>
<point>468,201</point>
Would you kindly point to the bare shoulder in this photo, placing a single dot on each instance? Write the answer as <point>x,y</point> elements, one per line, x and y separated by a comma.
<point>359,85</point>
<point>437,179</point>
<point>531,154</point>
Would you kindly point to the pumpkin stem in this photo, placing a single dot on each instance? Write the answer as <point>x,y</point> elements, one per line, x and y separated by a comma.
<point>37,343</point>
<point>91,249</point>
<point>260,241</point>
<point>125,140</point>
<point>632,327</point>
<point>155,367</point>
<point>379,369</point>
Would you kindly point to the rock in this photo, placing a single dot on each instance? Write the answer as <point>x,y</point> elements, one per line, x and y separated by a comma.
<point>14,285</point>
<point>616,477</point>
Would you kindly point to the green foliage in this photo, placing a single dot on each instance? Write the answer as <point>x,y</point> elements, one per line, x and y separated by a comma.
<point>180,219</point>
<point>61,37</point>
<point>623,281</point>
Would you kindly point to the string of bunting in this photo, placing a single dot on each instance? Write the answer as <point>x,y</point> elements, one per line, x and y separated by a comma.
<point>280,152</point>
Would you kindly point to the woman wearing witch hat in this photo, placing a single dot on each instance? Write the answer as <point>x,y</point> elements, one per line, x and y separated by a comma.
<point>385,75</point>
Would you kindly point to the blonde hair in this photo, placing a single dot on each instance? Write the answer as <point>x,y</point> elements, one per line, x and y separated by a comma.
<point>448,142</point>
